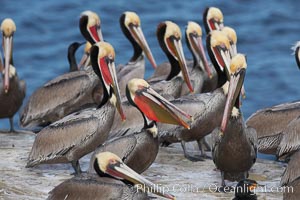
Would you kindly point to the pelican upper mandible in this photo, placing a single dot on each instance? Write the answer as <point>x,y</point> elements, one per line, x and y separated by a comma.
<point>234,145</point>
<point>115,180</point>
<point>78,134</point>
<point>131,26</point>
<point>66,93</point>
<point>139,150</point>
<point>12,90</point>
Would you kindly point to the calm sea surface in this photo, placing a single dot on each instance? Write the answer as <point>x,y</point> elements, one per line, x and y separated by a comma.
<point>266,31</point>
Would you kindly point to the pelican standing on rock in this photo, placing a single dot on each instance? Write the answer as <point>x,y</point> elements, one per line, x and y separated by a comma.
<point>78,134</point>
<point>115,180</point>
<point>69,92</point>
<point>234,148</point>
<point>12,90</point>
<point>154,108</point>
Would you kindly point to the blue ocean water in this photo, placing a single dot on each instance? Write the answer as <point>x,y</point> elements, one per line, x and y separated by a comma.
<point>266,31</point>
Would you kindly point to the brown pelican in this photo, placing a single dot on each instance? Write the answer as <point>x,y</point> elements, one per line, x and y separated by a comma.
<point>290,178</point>
<point>203,77</point>
<point>12,90</point>
<point>66,93</point>
<point>234,145</point>
<point>154,108</point>
<point>115,180</point>
<point>131,26</point>
<point>78,134</point>
<point>212,19</point>
<point>169,38</point>
<point>244,190</point>
<point>89,25</point>
<point>206,108</point>
<point>71,56</point>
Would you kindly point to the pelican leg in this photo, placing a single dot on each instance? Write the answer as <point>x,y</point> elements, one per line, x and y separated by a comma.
<point>223,179</point>
<point>76,166</point>
<point>207,146</point>
<point>189,157</point>
<point>224,188</point>
<point>11,122</point>
<point>202,144</point>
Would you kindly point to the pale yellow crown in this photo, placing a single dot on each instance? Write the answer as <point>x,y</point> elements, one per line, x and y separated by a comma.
<point>238,62</point>
<point>231,34</point>
<point>93,18</point>
<point>193,27</point>
<point>132,18</point>
<point>172,29</point>
<point>8,27</point>
<point>215,13</point>
<point>136,84</point>
<point>105,49</point>
<point>218,38</point>
<point>106,158</point>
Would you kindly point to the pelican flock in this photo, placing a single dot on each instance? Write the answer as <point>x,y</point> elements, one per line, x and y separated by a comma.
<point>122,119</point>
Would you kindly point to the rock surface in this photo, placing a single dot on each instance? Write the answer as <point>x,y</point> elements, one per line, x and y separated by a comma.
<point>183,178</point>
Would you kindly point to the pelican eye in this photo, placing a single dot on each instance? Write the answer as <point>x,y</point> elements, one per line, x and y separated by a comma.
<point>110,56</point>
<point>112,161</point>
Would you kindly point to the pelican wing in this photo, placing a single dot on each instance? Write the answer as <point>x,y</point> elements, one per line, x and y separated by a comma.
<point>64,78</point>
<point>271,121</point>
<point>121,146</point>
<point>61,96</point>
<point>92,188</point>
<point>292,172</point>
<point>290,141</point>
<point>56,140</point>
